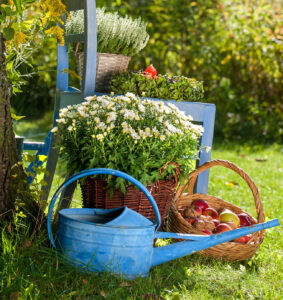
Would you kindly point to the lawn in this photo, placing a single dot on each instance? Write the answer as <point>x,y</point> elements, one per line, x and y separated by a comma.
<point>34,271</point>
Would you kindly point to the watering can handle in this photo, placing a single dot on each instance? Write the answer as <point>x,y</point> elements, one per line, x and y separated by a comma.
<point>90,172</point>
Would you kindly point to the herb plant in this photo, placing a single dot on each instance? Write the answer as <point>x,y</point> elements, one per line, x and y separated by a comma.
<point>115,34</point>
<point>136,136</point>
<point>162,86</point>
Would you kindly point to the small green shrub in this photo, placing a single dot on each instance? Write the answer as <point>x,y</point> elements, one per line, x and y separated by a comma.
<point>163,86</point>
<point>115,34</point>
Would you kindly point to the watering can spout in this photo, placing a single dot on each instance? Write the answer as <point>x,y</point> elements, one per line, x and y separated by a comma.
<point>197,243</point>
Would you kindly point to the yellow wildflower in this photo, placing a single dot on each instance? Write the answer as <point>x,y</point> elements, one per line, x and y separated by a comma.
<point>20,38</point>
<point>58,32</point>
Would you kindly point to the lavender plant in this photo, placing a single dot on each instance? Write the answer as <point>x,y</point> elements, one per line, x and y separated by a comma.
<point>115,34</point>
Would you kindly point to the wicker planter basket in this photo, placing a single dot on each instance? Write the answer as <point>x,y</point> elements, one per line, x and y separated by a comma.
<point>107,65</point>
<point>229,250</point>
<point>95,195</point>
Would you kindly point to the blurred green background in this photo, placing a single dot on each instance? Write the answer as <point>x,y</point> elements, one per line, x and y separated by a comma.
<point>234,47</point>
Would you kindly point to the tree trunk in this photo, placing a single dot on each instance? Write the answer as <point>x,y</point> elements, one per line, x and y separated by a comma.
<point>13,180</point>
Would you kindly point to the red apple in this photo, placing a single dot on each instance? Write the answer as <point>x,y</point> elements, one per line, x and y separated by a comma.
<point>231,224</point>
<point>207,231</point>
<point>209,211</point>
<point>216,222</point>
<point>222,227</point>
<point>191,220</point>
<point>244,219</point>
<point>198,210</point>
<point>242,239</point>
<point>200,203</point>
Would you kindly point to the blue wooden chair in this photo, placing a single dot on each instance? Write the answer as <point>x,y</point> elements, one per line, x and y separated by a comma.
<point>202,113</point>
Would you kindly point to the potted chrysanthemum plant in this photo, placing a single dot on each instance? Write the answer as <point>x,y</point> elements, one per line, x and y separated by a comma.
<point>154,142</point>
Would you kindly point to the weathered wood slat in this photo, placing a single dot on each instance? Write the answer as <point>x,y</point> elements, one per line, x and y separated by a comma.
<point>74,4</point>
<point>75,38</point>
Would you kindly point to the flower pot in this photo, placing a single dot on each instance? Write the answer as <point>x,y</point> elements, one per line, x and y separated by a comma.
<point>96,195</point>
<point>107,65</point>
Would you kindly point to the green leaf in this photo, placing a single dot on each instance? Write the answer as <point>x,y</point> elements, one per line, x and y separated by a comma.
<point>18,4</point>
<point>15,117</point>
<point>8,33</point>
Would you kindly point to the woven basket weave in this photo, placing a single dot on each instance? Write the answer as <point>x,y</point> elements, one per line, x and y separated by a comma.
<point>95,195</point>
<point>107,65</point>
<point>228,250</point>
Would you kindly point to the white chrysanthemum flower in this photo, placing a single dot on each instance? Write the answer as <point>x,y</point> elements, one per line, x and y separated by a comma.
<point>70,128</point>
<point>89,98</point>
<point>54,129</point>
<point>125,99</point>
<point>135,136</point>
<point>62,120</point>
<point>97,120</point>
<point>124,125</point>
<point>63,112</point>
<point>162,137</point>
<point>141,107</point>
<point>129,114</point>
<point>105,103</point>
<point>101,125</point>
<point>71,114</point>
<point>172,106</point>
<point>110,105</point>
<point>172,128</point>
<point>112,116</point>
<point>131,95</point>
<point>100,137</point>
<point>197,129</point>
<point>155,131</point>
<point>83,114</point>
<point>167,110</point>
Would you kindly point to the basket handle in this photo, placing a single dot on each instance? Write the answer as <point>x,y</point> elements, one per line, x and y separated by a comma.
<point>190,183</point>
<point>93,172</point>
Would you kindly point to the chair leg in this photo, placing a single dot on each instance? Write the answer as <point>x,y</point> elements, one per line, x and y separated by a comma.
<point>50,168</point>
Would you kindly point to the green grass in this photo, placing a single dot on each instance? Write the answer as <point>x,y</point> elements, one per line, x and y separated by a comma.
<point>36,272</point>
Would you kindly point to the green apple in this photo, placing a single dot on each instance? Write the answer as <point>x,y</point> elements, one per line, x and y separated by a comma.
<point>228,216</point>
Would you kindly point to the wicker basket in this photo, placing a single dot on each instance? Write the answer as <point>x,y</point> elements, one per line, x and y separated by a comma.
<point>228,250</point>
<point>107,65</point>
<point>96,195</point>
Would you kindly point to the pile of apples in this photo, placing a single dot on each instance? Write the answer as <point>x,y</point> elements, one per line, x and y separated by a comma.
<point>208,220</point>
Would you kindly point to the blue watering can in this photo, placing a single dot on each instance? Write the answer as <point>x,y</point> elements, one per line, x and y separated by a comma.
<point>120,240</point>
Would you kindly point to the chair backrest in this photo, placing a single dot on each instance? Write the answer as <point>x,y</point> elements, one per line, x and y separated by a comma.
<point>202,113</point>
<point>89,38</point>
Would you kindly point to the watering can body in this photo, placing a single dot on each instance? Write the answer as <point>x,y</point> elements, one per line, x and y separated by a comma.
<point>87,242</point>
<point>120,240</point>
